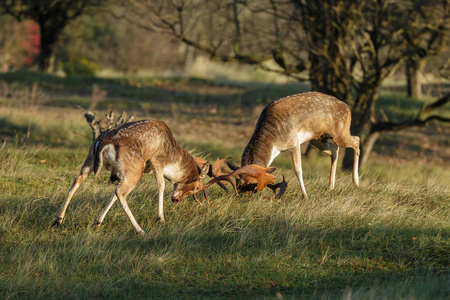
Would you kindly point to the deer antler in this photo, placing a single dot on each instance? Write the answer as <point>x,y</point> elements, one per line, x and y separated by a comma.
<point>282,185</point>
<point>260,173</point>
<point>250,187</point>
<point>219,165</point>
<point>211,173</point>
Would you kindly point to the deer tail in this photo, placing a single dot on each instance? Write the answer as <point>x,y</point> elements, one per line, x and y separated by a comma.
<point>99,153</point>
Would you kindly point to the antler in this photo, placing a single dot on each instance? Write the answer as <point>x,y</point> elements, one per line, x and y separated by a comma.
<point>250,187</point>
<point>282,185</point>
<point>219,165</point>
<point>260,173</point>
<point>201,162</point>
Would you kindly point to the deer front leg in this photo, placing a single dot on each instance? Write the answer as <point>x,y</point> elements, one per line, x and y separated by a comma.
<point>297,162</point>
<point>160,182</point>
<point>100,218</point>
<point>85,171</point>
<point>355,160</point>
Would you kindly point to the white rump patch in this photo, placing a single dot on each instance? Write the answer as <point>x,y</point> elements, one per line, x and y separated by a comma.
<point>110,153</point>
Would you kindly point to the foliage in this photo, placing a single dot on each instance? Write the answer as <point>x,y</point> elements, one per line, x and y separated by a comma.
<point>19,43</point>
<point>80,67</point>
<point>51,17</point>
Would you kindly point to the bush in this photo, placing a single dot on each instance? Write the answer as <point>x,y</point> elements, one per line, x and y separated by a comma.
<point>80,67</point>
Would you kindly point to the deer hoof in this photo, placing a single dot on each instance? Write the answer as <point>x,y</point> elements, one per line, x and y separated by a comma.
<point>57,222</point>
<point>96,224</point>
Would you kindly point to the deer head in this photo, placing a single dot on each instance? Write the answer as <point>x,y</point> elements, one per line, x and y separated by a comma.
<point>183,189</point>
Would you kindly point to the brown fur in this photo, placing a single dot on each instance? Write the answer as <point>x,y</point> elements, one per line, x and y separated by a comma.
<point>286,123</point>
<point>134,148</point>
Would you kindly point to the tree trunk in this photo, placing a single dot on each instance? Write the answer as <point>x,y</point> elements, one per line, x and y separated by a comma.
<point>49,36</point>
<point>367,147</point>
<point>414,87</point>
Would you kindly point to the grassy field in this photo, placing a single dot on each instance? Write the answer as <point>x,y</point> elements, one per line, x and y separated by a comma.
<point>387,239</point>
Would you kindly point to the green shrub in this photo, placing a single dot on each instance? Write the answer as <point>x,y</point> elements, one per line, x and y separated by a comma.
<point>80,67</point>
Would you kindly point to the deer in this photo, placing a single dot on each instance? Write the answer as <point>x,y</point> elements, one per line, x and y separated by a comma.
<point>147,146</point>
<point>286,123</point>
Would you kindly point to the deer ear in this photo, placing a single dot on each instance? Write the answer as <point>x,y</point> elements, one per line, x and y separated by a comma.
<point>204,171</point>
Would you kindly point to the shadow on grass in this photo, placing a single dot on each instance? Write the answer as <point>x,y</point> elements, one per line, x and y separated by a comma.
<point>239,259</point>
<point>177,89</point>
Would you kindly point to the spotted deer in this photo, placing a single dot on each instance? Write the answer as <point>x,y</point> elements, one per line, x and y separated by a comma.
<point>134,148</point>
<point>286,123</point>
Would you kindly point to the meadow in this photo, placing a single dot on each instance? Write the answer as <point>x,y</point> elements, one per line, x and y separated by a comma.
<point>387,239</point>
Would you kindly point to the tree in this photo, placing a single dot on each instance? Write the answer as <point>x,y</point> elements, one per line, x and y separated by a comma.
<point>426,37</point>
<point>52,16</point>
<point>344,48</point>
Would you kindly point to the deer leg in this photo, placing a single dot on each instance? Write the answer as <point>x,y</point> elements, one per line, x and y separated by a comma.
<point>160,181</point>
<point>330,148</point>
<point>351,142</point>
<point>297,162</point>
<point>124,188</point>
<point>85,171</point>
<point>100,218</point>
<point>355,160</point>
<point>333,150</point>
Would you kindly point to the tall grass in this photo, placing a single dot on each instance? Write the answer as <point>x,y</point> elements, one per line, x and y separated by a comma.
<point>387,239</point>
<point>383,239</point>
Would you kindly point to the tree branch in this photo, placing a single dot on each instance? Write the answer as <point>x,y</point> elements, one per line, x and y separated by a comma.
<point>438,103</point>
<point>393,126</point>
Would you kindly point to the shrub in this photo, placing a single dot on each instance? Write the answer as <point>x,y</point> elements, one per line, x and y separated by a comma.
<point>80,67</point>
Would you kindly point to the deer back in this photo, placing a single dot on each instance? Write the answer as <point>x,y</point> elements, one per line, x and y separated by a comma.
<point>148,143</point>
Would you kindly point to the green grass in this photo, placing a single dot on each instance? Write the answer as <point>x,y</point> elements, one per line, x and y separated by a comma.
<point>387,239</point>
<point>383,239</point>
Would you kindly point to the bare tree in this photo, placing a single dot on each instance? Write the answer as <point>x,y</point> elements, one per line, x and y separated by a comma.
<point>344,48</point>
<point>424,38</point>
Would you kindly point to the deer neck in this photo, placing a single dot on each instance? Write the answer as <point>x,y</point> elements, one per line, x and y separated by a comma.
<point>181,167</point>
<point>260,150</point>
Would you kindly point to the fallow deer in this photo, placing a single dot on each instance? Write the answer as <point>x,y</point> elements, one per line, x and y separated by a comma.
<point>286,123</point>
<point>134,148</point>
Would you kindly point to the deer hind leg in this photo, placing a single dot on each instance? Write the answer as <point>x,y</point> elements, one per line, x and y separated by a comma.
<point>330,148</point>
<point>355,159</point>
<point>121,192</point>
<point>351,142</point>
<point>100,218</point>
<point>115,179</point>
<point>297,162</point>
<point>85,171</point>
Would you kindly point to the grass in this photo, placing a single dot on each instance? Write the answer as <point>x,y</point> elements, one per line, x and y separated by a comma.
<point>387,239</point>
